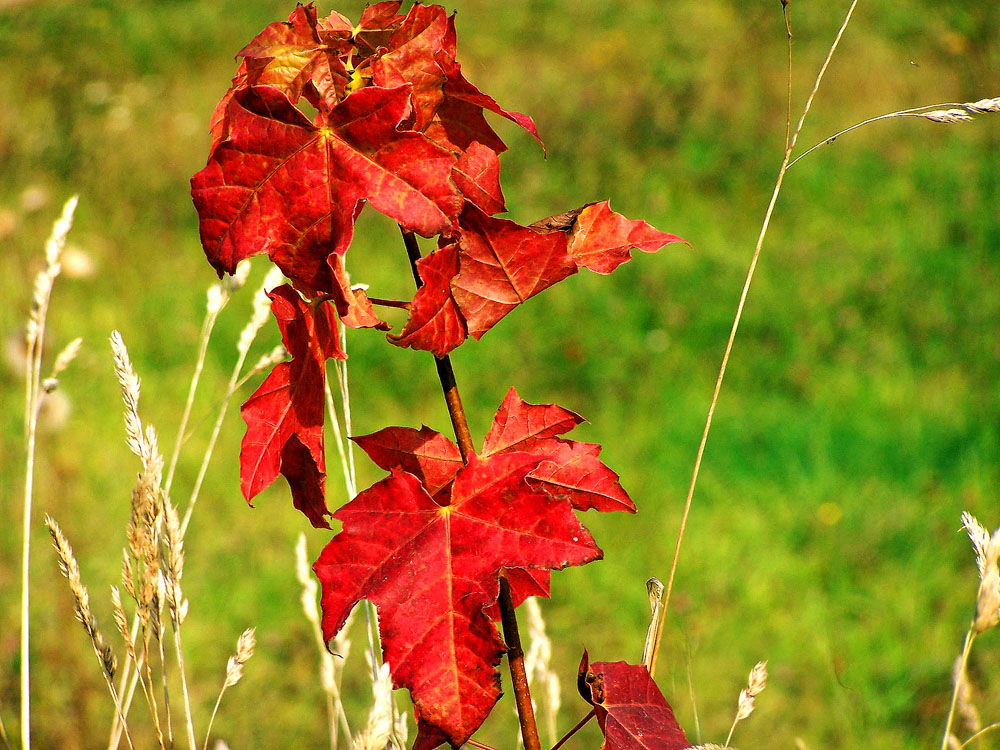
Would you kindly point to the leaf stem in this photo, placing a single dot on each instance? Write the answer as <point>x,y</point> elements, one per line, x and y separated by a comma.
<point>512,638</point>
<point>579,725</point>
<point>390,303</point>
<point>736,325</point>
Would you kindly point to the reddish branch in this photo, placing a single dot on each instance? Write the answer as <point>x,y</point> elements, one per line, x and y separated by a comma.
<point>512,637</point>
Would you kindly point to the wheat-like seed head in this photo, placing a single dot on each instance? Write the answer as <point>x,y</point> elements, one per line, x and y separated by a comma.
<point>121,621</point>
<point>984,106</point>
<point>309,587</point>
<point>276,355</point>
<point>244,650</point>
<point>376,735</point>
<point>979,537</point>
<point>130,395</point>
<point>81,599</point>
<point>57,240</point>
<point>988,561</point>
<point>758,679</point>
<point>745,706</point>
<point>216,299</point>
<point>66,356</point>
<point>947,116</point>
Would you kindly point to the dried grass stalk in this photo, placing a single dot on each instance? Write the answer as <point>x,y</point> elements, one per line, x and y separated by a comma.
<point>380,724</point>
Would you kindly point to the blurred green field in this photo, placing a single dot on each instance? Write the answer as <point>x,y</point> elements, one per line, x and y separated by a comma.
<point>861,413</point>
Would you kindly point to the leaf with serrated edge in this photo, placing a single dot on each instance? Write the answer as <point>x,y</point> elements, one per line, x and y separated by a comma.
<point>501,264</point>
<point>631,710</point>
<point>518,425</point>
<point>602,240</point>
<point>283,186</point>
<point>431,569</point>
<point>477,175</point>
<point>427,454</point>
<point>285,414</point>
<point>410,58</point>
<point>434,323</point>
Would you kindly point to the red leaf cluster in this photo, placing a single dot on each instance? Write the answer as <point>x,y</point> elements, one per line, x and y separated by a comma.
<point>399,127</point>
<point>630,709</point>
<point>428,543</point>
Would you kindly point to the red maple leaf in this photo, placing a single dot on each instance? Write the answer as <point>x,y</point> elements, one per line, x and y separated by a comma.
<point>431,566</point>
<point>631,710</point>
<point>435,323</point>
<point>284,416</point>
<point>501,264</point>
<point>567,470</point>
<point>286,187</point>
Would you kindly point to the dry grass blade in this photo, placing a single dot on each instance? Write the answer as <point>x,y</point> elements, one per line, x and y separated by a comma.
<point>341,644</point>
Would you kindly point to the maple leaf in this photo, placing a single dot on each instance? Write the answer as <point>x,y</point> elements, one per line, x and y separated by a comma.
<point>283,186</point>
<point>284,416</point>
<point>631,710</point>
<point>432,565</point>
<point>567,470</point>
<point>434,323</point>
<point>428,455</point>
<point>477,175</point>
<point>601,239</point>
<point>292,55</point>
<point>501,264</point>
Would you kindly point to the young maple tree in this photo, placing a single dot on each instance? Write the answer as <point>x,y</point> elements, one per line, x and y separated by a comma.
<point>453,539</point>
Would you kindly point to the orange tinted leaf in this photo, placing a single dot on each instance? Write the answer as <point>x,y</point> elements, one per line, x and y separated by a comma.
<point>477,175</point>
<point>602,240</point>
<point>291,55</point>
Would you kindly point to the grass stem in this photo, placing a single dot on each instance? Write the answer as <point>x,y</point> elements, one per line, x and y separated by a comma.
<point>736,324</point>
<point>970,636</point>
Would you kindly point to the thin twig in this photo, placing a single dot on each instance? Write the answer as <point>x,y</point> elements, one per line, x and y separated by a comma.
<point>736,324</point>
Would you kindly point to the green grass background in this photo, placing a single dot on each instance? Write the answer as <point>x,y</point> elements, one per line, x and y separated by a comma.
<point>861,413</point>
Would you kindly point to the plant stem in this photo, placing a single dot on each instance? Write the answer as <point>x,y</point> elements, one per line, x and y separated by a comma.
<point>579,725</point>
<point>970,636</point>
<point>512,638</point>
<point>980,733</point>
<point>736,325</point>
<point>515,662</point>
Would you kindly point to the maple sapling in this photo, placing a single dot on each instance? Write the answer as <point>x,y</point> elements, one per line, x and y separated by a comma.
<point>453,539</point>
